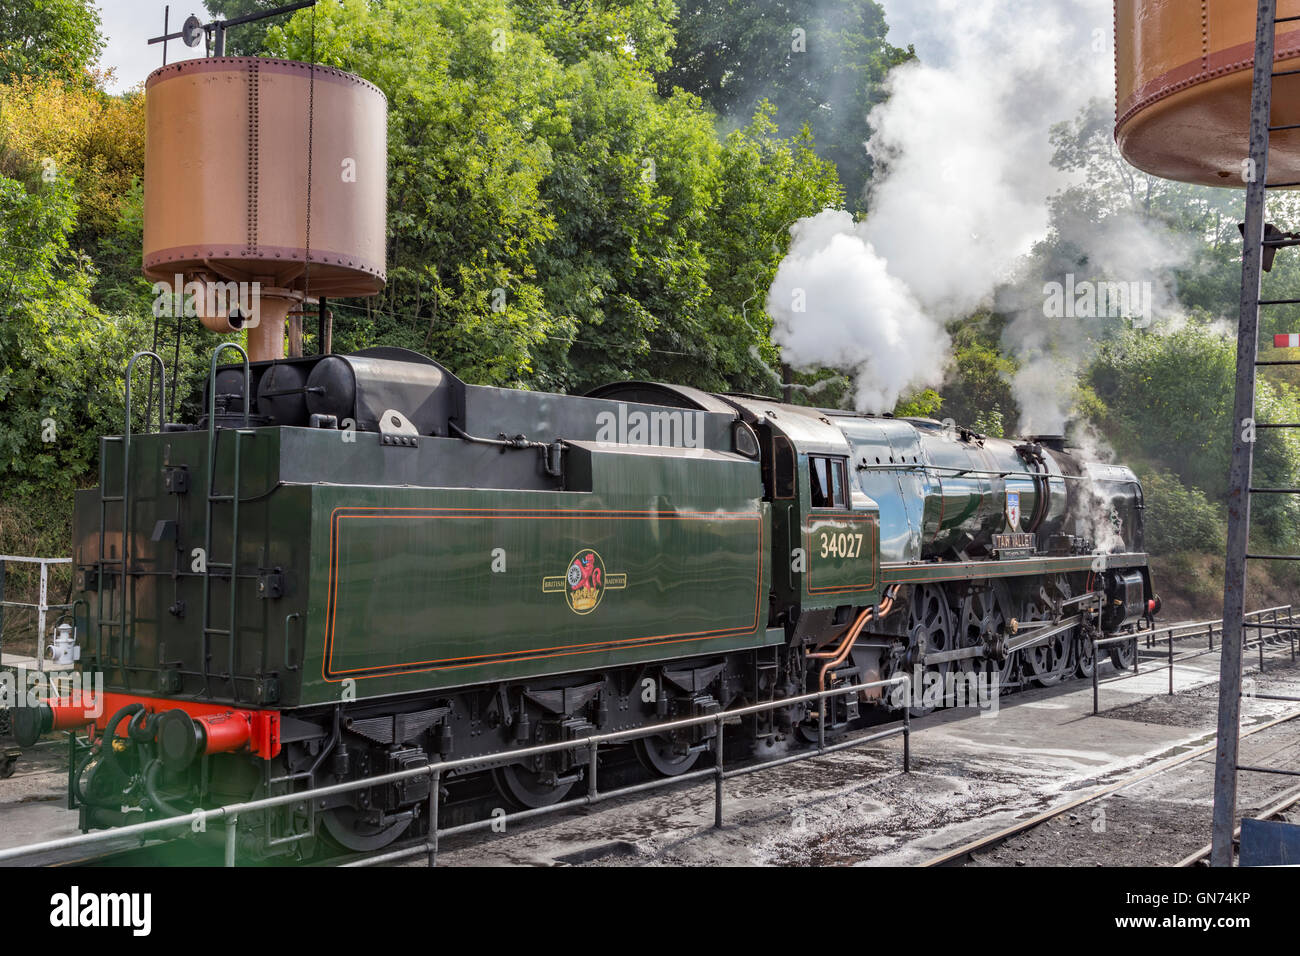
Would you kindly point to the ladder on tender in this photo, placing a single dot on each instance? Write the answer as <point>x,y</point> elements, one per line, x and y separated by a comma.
<point>120,566</point>
<point>229,569</point>
<point>1257,244</point>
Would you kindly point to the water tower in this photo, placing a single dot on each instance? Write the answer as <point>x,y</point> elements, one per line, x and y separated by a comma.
<point>265,179</point>
<point>1183,81</point>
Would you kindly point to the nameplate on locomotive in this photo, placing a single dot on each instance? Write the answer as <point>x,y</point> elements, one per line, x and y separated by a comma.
<point>1018,544</point>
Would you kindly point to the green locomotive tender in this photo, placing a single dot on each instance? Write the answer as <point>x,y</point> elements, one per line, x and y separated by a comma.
<point>358,563</point>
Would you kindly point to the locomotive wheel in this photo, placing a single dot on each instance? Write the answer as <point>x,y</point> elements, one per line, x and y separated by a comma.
<point>1046,663</point>
<point>929,627</point>
<point>525,789</point>
<point>985,611</point>
<point>657,755</point>
<point>349,828</point>
<point>1123,655</point>
<point>1084,656</point>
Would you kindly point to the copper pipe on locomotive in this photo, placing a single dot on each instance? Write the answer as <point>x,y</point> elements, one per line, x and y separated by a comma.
<point>838,656</point>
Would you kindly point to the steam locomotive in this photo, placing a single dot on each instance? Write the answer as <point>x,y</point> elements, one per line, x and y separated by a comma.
<point>355,564</point>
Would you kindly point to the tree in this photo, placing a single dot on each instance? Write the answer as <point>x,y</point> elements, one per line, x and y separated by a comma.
<point>977,390</point>
<point>822,65</point>
<point>57,38</point>
<point>60,358</point>
<point>465,215</point>
<point>1178,518</point>
<point>246,39</point>
<point>1168,399</point>
<point>765,184</point>
<point>572,30</point>
<point>554,221</point>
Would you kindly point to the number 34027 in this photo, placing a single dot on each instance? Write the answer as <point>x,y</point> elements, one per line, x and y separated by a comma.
<point>840,545</point>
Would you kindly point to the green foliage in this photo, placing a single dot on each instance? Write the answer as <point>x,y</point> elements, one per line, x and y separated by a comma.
<point>465,169</point>
<point>554,221</point>
<point>640,30</point>
<point>1168,398</point>
<point>1179,518</point>
<point>736,53</point>
<point>93,144</point>
<point>764,184</point>
<point>48,38</point>
<point>922,404</point>
<point>60,358</point>
<point>977,389</point>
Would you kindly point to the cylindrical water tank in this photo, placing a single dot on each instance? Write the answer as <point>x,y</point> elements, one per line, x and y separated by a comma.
<point>1183,72</point>
<point>226,182</point>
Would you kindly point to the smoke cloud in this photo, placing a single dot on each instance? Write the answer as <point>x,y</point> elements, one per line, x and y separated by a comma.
<point>835,304</point>
<point>961,194</point>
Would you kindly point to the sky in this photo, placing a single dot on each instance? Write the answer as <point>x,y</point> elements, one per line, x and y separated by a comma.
<point>128,25</point>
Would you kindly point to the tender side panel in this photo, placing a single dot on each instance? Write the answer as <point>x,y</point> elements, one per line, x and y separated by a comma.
<point>432,588</point>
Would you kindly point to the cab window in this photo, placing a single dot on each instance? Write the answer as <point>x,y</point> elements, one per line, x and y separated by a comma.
<point>827,487</point>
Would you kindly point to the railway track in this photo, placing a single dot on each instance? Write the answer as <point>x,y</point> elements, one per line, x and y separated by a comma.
<point>1276,810</point>
<point>965,854</point>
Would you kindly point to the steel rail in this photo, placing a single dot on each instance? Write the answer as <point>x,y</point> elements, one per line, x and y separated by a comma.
<point>1281,806</point>
<point>952,856</point>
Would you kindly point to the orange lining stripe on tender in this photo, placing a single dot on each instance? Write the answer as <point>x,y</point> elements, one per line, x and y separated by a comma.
<point>470,662</point>
<point>542,514</point>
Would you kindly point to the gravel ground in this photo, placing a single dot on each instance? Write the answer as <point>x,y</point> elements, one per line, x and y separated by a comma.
<point>1155,822</point>
<point>971,776</point>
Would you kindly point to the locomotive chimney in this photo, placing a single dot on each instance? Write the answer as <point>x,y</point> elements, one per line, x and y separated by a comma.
<point>1054,442</point>
<point>264,188</point>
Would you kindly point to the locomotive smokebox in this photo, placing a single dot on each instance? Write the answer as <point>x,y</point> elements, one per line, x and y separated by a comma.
<point>1182,84</point>
<point>232,218</point>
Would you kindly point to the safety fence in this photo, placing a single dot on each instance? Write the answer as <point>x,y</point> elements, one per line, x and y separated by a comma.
<point>1270,624</point>
<point>228,816</point>
<point>41,606</point>
<point>1277,620</point>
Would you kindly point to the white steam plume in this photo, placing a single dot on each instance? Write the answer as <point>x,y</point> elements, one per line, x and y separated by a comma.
<point>1118,257</point>
<point>836,305</point>
<point>963,176</point>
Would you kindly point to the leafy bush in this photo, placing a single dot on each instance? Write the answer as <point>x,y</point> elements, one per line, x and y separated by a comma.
<point>1179,518</point>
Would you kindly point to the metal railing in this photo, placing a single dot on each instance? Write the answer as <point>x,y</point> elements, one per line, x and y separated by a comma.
<point>42,605</point>
<point>1278,620</point>
<point>229,815</point>
<point>1283,618</point>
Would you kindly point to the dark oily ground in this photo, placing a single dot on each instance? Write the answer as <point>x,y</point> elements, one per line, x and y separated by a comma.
<point>856,807</point>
